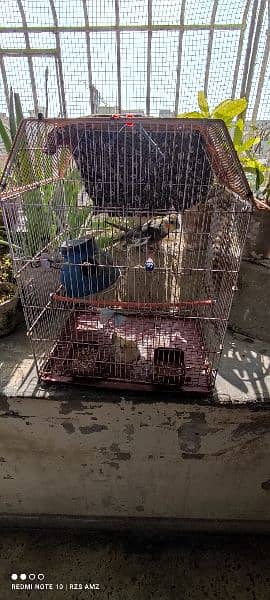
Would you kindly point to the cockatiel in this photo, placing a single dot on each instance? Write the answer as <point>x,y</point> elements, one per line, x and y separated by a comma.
<point>153,231</point>
<point>124,350</point>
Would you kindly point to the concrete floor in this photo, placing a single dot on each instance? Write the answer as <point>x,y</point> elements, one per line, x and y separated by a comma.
<point>132,567</point>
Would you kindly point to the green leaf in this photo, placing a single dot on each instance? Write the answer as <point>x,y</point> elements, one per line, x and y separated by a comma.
<point>191,115</point>
<point>203,104</point>
<point>18,109</point>
<point>256,178</point>
<point>238,132</point>
<point>248,144</point>
<point>252,163</point>
<point>5,136</point>
<point>12,121</point>
<point>229,109</point>
<point>259,179</point>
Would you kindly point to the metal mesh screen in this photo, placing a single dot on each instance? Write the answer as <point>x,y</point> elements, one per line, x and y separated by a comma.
<point>147,56</point>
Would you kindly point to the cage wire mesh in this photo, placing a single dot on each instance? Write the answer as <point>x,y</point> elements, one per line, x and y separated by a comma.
<point>149,56</point>
<point>127,234</point>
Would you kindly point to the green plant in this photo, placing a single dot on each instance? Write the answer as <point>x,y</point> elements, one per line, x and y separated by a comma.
<point>6,270</point>
<point>75,217</point>
<point>42,205</point>
<point>8,134</point>
<point>3,239</point>
<point>25,172</point>
<point>3,242</point>
<point>230,112</point>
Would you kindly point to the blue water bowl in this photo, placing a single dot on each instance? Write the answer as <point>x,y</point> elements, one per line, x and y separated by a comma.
<point>96,275</point>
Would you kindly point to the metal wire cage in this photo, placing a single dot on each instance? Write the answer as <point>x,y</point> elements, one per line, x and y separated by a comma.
<point>126,235</point>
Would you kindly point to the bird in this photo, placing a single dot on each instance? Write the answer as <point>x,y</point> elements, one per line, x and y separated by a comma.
<point>107,314</point>
<point>153,231</point>
<point>124,350</point>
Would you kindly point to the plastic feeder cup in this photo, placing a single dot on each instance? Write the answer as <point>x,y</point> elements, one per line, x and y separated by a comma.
<point>97,274</point>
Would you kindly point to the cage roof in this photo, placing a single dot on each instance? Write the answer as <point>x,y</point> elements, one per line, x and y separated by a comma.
<point>42,138</point>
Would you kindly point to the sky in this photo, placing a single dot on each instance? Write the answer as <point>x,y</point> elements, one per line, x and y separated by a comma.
<point>133,55</point>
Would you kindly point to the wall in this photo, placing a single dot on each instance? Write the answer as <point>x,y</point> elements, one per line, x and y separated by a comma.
<point>134,459</point>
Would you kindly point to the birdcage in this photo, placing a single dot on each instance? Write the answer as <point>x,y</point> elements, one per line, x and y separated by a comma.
<point>126,234</point>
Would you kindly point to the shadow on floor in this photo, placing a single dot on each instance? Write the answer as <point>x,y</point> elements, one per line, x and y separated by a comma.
<point>245,365</point>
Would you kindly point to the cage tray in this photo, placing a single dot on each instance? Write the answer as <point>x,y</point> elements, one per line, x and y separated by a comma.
<point>130,352</point>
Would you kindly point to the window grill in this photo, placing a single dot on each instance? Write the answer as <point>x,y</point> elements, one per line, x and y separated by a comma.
<point>150,57</point>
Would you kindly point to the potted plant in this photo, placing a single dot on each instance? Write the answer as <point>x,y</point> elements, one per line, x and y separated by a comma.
<point>246,144</point>
<point>9,296</point>
<point>8,290</point>
<point>250,313</point>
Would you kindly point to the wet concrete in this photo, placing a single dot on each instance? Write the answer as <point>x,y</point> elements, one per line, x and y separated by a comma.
<point>135,567</point>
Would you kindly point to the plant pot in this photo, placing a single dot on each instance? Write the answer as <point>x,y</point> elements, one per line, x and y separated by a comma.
<point>8,308</point>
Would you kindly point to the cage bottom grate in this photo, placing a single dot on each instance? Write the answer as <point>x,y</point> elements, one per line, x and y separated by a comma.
<point>130,352</point>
